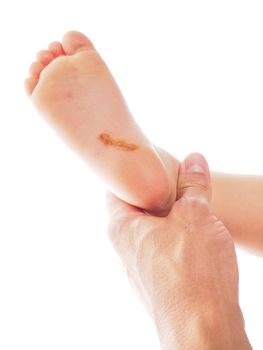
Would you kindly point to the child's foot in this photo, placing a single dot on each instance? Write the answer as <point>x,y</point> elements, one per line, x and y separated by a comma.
<point>72,87</point>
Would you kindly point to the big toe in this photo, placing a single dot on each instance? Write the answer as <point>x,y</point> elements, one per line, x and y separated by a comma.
<point>73,42</point>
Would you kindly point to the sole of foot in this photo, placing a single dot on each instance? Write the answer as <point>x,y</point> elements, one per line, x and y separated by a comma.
<point>73,89</point>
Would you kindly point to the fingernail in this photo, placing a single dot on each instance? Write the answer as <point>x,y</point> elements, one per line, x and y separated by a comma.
<point>195,168</point>
<point>195,163</point>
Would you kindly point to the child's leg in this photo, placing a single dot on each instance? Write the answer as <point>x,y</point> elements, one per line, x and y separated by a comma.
<point>238,202</point>
<point>72,87</point>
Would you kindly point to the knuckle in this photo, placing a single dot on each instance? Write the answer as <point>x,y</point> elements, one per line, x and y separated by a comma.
<point>198,185</point>
<point>192,211</point>
<point>198,204</point>
<point>194,180</point>
<point>195,207</point>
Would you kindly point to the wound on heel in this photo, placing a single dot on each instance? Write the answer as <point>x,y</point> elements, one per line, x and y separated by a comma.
<point>107,140</point>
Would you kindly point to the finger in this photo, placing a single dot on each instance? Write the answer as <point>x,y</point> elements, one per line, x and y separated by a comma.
<point>122,227</point>
<point>117,207</point>
<point>194,182</point>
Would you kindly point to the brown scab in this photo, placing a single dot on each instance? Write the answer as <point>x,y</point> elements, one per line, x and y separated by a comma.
<point>107,140</point>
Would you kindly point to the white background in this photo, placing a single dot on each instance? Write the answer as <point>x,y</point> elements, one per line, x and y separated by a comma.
<point>192,74</point>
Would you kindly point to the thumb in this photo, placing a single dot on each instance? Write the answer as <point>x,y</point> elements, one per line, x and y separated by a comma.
<point>194,181</point>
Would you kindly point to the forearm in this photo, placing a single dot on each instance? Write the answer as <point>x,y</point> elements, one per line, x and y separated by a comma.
<point>238,202</point>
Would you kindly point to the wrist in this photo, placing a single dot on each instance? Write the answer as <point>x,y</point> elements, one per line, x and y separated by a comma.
<point>206,329</point>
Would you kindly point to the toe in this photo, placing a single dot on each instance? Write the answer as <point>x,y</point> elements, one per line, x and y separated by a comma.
<point>45,57</point>
<point>75,41</point>
<point>35,69</point>
<point>56,49</point>
<point>30,84</point>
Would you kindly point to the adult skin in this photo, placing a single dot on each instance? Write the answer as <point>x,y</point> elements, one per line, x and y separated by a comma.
<point>183,266</point>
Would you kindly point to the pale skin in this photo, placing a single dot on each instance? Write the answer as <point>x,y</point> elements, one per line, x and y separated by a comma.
<point>71,86</point>
<point>183,266</point>
<point>73,89</point>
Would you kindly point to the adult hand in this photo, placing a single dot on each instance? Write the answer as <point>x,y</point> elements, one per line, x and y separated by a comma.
<point>183,266</point>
